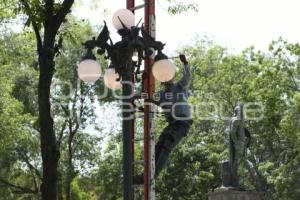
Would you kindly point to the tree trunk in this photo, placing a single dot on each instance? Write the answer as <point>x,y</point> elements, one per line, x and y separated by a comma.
<point>70,168</point>
<point>49,148</point>
<point>46,52</point>
<point>60,192</point>
<point>258,181</point>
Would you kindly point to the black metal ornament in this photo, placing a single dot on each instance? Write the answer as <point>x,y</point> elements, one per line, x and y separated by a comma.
<point>132,41</point>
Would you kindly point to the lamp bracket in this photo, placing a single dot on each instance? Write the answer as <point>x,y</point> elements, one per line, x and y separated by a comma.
<point>135,39</point>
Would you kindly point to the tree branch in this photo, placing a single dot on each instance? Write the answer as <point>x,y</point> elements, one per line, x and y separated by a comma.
<point>66,111</point>
<point>25,158</point>
<point>49,7</point>
<point>34,24</point>
<point>63,11</point>
<point>21,189</point>
<point>258,180</point>
<point>82,107</point>
<point>61,134</point>
<point>290,73</point>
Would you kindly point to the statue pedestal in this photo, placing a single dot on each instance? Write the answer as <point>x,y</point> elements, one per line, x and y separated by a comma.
<point>227,194</point>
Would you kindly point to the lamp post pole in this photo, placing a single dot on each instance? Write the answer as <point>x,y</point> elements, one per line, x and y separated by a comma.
<point>128,124</point>
<point>127,129</point>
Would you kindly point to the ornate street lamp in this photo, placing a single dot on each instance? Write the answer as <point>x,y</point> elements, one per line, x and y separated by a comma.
<point>132,46</point>
<point>125,57</point>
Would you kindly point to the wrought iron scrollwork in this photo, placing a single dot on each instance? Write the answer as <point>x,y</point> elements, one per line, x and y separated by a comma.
<point>132,41</point>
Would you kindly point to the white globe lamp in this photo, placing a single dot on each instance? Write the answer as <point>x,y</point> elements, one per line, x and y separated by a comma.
<point>110,79</point>
<point>126,16</point>
<point>89,70</point>
<point>163,70</point>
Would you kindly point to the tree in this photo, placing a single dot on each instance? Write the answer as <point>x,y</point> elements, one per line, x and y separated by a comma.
<point>47,16</point>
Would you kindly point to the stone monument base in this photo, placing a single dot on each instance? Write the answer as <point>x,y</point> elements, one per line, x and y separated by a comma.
<point>228,194</point>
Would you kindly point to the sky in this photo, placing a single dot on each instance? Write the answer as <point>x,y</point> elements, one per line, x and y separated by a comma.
<point>235,24</point>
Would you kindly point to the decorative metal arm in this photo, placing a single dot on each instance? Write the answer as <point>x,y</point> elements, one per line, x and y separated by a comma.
<point>118,53</point>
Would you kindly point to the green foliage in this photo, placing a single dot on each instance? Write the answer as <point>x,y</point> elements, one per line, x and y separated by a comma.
<point>178,7</point>
<point>78,193</point>
<point>7,10</point>
<point>268,79</point>
<point>108,175</point>
<point>19,142</point>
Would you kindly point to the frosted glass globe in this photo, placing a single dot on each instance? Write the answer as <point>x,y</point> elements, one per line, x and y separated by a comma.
<point>163,70</point>
<point>110,79</point>
<point>126,16</point>
<point>89,70</point>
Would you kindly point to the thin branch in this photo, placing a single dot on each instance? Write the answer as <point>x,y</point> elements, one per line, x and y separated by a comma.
<point>290,73</point>
<point>82,108</point>
<point>34,24</point>
<point>66,111</point>
<point>25,158</point>
<point>71,133</point>
<point>61,134</point>
<point>22,189</point>
<point>63,11</point>
<point>258,180</point>
<point>293,79</point>
<point>36,187</point>
<point>293,88</point>
<point>74,116</point>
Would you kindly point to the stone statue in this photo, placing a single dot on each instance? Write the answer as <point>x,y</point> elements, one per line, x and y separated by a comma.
<point>239,140</point>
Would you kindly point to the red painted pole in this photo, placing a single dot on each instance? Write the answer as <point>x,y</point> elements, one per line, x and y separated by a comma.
<point>149,88</point>
<point>130,4</point>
